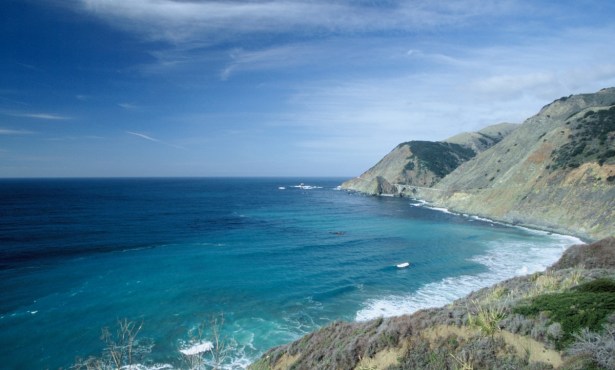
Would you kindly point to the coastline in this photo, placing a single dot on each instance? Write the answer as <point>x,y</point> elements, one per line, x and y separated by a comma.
<point>447,332</point>
<point>420,202</point>
<point>430,296</point>
<point>531,228</point>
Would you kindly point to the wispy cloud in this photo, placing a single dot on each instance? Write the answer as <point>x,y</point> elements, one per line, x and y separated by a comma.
<point>182,20</point>
<point>155,140</point>
<point>342,53</point>
<point>5,131</point>
<point>42,116</point>
<point>468,90</point>
<point>143,136</point>
<point>128,106</point>
<point>288,56</point>
<point>75,138</point>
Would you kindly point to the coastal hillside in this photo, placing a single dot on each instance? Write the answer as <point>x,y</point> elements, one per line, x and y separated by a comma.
<point>556,171</point>
<point>484,139</point>
<point>563,318</point>
<point>424,163</point>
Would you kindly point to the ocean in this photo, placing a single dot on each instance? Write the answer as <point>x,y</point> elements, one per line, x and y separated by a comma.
<point>276,260</point>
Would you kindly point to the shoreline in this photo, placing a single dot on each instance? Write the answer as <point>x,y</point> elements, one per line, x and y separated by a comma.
<point>501,262</point>
<point>530,228</point>
<point>408,303</point>
<point>584,239</point>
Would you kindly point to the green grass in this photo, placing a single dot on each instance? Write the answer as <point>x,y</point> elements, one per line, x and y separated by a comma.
<point>585,306</point>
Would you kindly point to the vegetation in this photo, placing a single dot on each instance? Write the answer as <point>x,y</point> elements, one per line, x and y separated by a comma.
<point>592,139</point>
<point>598,255</point>
<point>486,318</point>
<point>489,140</point>
<point>410,165</point>
<point>586,306</point>
<point>441,158</point>
<point>599,348</point>
<point>125,350</point>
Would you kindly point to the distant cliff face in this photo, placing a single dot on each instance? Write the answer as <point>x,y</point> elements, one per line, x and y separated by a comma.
<point>425,163</point>
<point>555,171</point>
<point>484,139</point>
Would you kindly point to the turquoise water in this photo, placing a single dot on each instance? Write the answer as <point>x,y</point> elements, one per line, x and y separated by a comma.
<point>77,255</point>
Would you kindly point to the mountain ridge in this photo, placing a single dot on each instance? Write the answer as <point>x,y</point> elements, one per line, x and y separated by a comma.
<point>556,171</point>
<point>424,163</point>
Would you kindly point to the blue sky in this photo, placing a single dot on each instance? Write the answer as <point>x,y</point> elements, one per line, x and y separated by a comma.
<point>277,88</point>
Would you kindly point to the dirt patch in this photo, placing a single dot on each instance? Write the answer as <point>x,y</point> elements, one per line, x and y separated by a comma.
<point>536,350</point>
<point>285,362</point>
<point>540,155</point>
<point>384,358</point>
<point>589,170</point>
<point>524,346</point>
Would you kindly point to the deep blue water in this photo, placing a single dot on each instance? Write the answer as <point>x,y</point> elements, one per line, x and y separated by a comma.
<point>77,255</point>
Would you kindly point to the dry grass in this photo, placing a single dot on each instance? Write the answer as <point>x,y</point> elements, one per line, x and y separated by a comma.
<point>535,351</point>
<point>600,254</point>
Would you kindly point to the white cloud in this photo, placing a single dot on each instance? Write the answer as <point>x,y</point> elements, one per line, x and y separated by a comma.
<point>43,116</point>
<point>75,138</point>
<point>128,106</point>
<point>149,138</point>
<point>178,21</point>
<point>5,131</point>
<point>512,84</point>
<point>470,89</point>
<point>143,136</point>
<point>329,53</point>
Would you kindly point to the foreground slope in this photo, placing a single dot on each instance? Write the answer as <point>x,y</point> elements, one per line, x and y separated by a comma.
<point>561,318</point>
<point>556,171</point>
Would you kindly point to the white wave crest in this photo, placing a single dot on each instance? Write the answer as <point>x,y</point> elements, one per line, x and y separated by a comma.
<point>502,261</point>
<point>197,348</point>
<point>150,367</point>
<point>439,209</point>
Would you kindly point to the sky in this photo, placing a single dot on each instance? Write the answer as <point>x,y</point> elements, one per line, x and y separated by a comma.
<point>118,88</point>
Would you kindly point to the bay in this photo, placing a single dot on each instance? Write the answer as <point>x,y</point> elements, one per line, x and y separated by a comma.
<point>276,259</point>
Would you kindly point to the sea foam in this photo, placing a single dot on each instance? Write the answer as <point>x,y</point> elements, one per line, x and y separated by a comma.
<point>503,261</point>
<point>197,348</point>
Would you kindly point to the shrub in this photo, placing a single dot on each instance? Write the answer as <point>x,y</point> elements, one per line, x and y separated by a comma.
<point>587,306</point>
<point>592,131</point>
<point>123,349</point>
<point>439,157</point>
<point>486,318</point>
<point>599,347</point>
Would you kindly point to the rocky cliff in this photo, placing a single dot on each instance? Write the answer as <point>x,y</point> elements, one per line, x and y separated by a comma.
<point>425,163</point>
<point>555,171</point>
